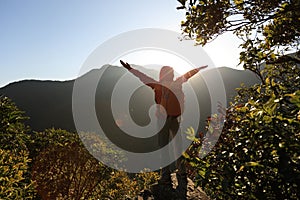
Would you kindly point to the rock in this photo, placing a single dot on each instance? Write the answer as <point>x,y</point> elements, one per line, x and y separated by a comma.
<point>173,192</point>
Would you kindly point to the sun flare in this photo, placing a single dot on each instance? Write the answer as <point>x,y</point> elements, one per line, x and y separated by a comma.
<point>148,58</point>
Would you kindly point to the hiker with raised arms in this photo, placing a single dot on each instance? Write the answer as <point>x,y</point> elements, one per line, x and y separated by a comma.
<point>170,100</point>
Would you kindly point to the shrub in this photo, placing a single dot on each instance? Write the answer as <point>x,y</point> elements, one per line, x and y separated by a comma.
<point>257,155</point>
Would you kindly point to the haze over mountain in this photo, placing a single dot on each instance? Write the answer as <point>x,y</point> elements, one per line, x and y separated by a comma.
<point>49,103</point>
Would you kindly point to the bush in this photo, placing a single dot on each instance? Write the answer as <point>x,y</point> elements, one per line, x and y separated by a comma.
<point>15,180</point>
<point>64,169</point>
<point>257,155</point>
<point>13,131</point>
<point>55,164</point>
<point>13,169</point>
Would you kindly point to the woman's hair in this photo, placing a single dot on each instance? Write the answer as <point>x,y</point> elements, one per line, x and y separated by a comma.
<point>166,74</point>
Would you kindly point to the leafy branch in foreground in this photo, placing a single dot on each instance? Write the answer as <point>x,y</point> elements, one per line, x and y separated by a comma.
<point>268,29</point>
<point>257,155</point>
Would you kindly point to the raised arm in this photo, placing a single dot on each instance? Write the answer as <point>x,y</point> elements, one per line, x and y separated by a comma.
<point>185,77</point>
<point>143,77</point>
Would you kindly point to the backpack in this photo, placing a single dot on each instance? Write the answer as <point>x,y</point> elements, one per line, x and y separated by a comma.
<point>171,98</point>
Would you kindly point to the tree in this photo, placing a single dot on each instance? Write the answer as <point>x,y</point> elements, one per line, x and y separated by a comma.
<point>64,169</point>
<point>257,155</point>
<point>68,172</point>
<point>13,132</point>
<point>268,29</point>
<point>15,180</point>
<point>54,164</point>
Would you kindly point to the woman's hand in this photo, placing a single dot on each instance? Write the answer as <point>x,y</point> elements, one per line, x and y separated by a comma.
<point>126,65</point>
<point>203,67</point>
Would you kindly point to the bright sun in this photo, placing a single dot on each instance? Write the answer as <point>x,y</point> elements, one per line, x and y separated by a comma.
<point>156,57</point>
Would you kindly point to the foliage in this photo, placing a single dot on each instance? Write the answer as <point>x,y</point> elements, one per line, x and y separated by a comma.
<point>15,180</point>
<point>39,141</point>
<point>267,28</point>
<point>101,148</point>
<point>61,167</point>
<point>257,155</point>
<point>145,179</point>
<point>13,131</point>
<point>121,185</point>
<point>13,169</point>
<point>64,169</point>
<point>67,171</point>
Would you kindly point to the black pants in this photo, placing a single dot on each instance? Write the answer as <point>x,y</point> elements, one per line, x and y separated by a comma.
<point>167,134</point>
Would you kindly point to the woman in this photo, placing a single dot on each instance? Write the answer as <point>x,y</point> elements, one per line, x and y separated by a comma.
<point>170,100</point>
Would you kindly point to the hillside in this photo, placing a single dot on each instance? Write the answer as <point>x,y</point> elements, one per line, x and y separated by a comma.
<point>49,103</point>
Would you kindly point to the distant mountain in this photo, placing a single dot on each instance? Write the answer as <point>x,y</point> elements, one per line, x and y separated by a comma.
<point>49,103</point>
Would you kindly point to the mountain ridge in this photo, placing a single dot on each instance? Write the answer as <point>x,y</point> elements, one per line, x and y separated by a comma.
<point>44,101</point>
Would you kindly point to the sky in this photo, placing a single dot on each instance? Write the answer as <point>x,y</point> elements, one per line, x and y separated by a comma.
<point>51,39</point>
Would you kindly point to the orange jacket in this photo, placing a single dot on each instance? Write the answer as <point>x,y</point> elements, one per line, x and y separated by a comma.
<point>168,94</point>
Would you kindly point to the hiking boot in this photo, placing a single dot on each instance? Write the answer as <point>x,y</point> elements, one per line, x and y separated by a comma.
<point>165,181</point>
<point>182,185</point>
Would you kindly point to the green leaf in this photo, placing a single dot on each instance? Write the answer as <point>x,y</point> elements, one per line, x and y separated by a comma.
<point>253,164</point>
